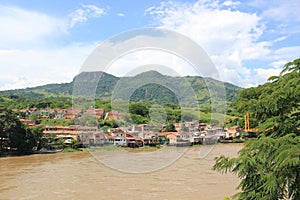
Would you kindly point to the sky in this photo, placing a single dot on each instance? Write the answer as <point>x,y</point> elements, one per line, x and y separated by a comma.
<point>47,41</point>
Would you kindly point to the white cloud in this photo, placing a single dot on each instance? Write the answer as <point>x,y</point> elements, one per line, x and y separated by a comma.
<point>18,82</point>
<point>121,14</point>
<point>261,74</point>
<point>282,10</point>
<point>231,3</point>
<point>287,53</point>
<point>230,37</point>
<point>84,13</point>
<point>28,68</point>
<point>150,47</point>
<point>145,60</point>
<point>27,56</point>
<point>22,27</point>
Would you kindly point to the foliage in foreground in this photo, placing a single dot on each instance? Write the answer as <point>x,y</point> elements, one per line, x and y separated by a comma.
<point>274,106</point>
<point>269,166</point>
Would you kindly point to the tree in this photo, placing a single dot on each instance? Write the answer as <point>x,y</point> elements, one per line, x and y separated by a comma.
<point>170,128</point>
<point>22,139</point>
<point>269,166</point>
<point>15,135</point>
<point>106,124</point>
<point>139,109</point>
<point>138,119</point>
<point>38,135</point>
<point>274,106</point>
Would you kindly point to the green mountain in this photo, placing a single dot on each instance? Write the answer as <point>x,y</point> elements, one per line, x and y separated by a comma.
<point>149,86</point>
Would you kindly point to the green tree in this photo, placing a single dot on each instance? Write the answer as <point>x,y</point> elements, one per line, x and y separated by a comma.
<point>138,119</point>
<point>139,109</point>
<point>269,166</point>
<point>170,128</point>
<point>38,135</point>
<point>274,106</point>
<point>16,135</point>
<point>106,124</point>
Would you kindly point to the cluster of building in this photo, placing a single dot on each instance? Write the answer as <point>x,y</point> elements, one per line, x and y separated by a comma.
<point>144,134</point>
<point>187,133</point>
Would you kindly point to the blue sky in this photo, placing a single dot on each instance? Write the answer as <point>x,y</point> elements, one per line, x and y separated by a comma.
<point>47,41</point>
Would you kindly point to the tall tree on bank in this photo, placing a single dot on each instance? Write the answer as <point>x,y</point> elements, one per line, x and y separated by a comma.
<point>14,135</point>
<point>269,166</point>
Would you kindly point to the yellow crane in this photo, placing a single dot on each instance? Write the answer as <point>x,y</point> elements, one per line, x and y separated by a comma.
<point>248,129</point>
<point>247,124</point>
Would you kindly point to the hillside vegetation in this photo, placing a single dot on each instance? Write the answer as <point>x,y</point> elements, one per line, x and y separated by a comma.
<point>159,89</point>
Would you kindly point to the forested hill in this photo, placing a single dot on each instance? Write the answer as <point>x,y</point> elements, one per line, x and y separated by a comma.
<point>159,88</point>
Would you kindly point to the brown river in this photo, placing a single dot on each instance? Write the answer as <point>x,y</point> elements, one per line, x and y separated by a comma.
<point>81,175</point>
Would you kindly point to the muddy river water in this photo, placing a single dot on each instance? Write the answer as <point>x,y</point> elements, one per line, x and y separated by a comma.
<point>81,176</point>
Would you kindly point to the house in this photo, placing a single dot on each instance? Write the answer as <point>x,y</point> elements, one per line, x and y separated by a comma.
<point>90,135</point>
<point>72,113</point>
<point>203,126</point>
<point>47,113</point>
<point>191,126</point>
<point>108,139</point>
<point>113,115</point>
<point>68,133</point>
<point>192,137</point>
<point>183,138</point>
<point>203,133</point>
<point>85,136</point>
<point>119,137</point>
<point>134,141</point>
<point>196,138</point>
<point>177,139</point>
<point>59,113</point>
<point>44,113</point>
<point>88,138</point>
<point>170,136</point>
<point>23,112</point>
<point>150,139</point>
<point>60,131</point>
<point>120,141</point>
<point>233,131</point>
<point>187,126</point>
<point>172,139</point>
<point>98,112</point>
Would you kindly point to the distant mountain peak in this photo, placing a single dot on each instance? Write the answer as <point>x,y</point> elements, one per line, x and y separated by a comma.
<point>92,74</point>
<point>151,73</point>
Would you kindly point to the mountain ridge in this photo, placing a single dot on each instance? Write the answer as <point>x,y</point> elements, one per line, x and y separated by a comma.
<point>159,87</point>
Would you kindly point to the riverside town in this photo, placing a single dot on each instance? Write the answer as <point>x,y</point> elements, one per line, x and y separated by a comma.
<point>182,134</point>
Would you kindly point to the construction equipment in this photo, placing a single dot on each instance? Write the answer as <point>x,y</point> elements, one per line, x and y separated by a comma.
<point>247,124</point>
